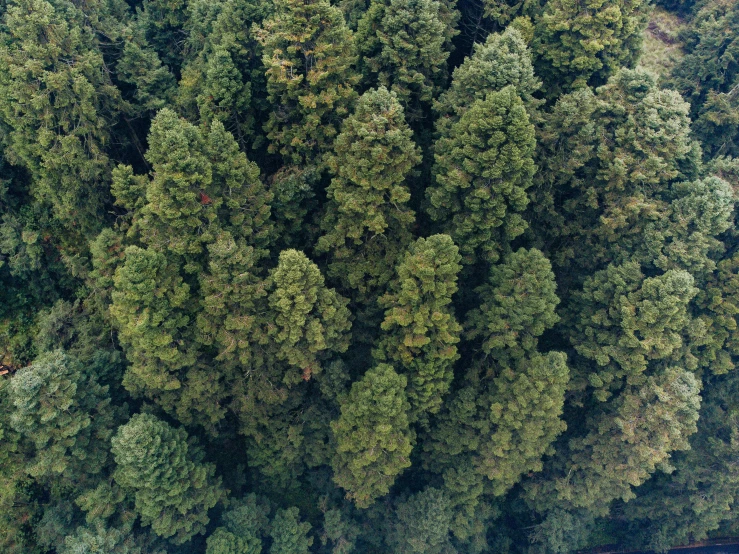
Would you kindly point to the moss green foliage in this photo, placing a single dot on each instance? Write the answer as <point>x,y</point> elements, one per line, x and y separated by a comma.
<point>421,332</point>
<point>367,276</point>
<point>367,222</point>
<point>308,58</point>
<point>483,167</point>
<point>580,44</point>
<point>373,439</point>
<point>401,44</point>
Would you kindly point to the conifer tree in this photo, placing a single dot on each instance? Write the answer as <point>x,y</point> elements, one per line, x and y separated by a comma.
<point>699,494</point>
<point>517,305</point>
<point>582,44</point>
<point>611,162</point>
<point>172,487</point>
<point>420,331</point>
<point>632,436</point>
<point>150,306</point>
<point>626,321</point>
<point>708,74</point>
<point>62,410</point>
<point>422,524</point>
<point>308,58</point>
<point>503,59</point>
<point>483,167</point>
<point>401,44</point>
<point>503,432</point>
<point>367,221</point>
<point>57,106</point>
<point>245,523</point>
<point>373,439</point>
<point>224,78</point>
<point>308,317</point>
<point>289,534</point>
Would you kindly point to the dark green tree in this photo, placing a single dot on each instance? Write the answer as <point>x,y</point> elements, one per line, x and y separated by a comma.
<point>401,46</point>
<point>289,534</point>
<point>308,58</point>
<point>420,331</point>
<point>579,44</point>
<point>484,165</point>
<point>421,524</point>
<point>164,471</point>
<point>516,305</point>
<point>58,104</point>
<point>373,439</point>
<point>707,76</point>
<point>503,59</point>
<point>62,410</point>
<point>367,221</point>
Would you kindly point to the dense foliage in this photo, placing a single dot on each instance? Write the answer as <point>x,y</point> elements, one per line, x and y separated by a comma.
<point>367,276</point>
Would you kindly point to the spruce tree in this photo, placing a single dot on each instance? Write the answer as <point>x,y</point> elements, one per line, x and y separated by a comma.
<point>420,331</point>
<point>164,471</point>
<point>484,165</point>
<point>367,221</point>
<point>373,439</point>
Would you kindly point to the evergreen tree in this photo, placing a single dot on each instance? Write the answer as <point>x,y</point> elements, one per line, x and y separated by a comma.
<point>483,167</point>
<point>698,495</point>
<point>308,58</point>
<point>582,44</point>
<point>150,306</point>
<point>224,80</point>
<point>401,44</point>
<point>626,321</point>
<point>308,317</point>
<point>607,166</point>
<point>57,106</point>
<point>63,411</point>
<point>630,438</point>
<point>373,440</point>
<point>367,222</point>
<point>422,524</point>
<point>517,305</point>
<point>172,487</point>
<point>289,534</point>
<point>420,329</point>
<point>707,76</point>
<point>503,59</point>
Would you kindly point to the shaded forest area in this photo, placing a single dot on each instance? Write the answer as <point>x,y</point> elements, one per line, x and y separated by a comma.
<point>370,276</point>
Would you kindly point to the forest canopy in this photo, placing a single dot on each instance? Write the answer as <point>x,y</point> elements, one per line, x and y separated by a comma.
<point>368,276</point>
